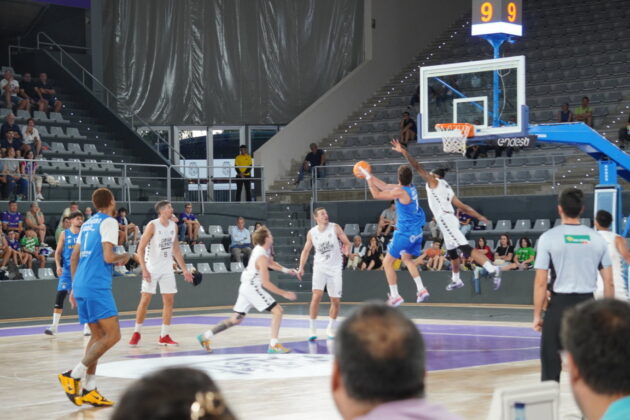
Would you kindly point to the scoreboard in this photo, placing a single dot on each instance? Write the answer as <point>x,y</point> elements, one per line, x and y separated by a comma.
<point>497,17</point>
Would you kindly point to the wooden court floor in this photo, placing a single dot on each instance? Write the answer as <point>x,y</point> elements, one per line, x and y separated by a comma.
<point>468,352</point>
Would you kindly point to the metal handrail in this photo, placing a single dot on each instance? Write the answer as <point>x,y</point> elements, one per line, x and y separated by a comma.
<point>128,120</point>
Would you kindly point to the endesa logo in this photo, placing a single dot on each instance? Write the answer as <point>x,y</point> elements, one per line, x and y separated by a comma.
<point>524,141</point>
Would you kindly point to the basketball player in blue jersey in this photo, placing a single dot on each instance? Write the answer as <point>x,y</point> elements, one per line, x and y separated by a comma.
<point>65,246</point>
<point>407,241</point>
<point>91,265</point>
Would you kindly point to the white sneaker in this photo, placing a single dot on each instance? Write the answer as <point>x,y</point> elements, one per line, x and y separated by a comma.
<point>50,331</point>
<point>330,332</point>
<point>39,197</point>
<point>313,335</point>
<point>395,301</point>
<point>422,296</point>
<point>86,330</point>
<point>454,285</point>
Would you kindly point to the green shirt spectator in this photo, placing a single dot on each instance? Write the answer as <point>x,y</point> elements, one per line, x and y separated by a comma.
<point>30,243</point>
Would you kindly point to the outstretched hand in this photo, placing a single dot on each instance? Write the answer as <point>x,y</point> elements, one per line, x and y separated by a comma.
<point>396,146</point>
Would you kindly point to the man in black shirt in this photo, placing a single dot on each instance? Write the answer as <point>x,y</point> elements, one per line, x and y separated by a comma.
<point>315,157</point>
<point>10,125</point>
<point>408,129</point>
<point>27,89</point>
<point>46,92</point>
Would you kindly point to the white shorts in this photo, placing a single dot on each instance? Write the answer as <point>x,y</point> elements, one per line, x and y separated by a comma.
<point>331,280</point>
<point>253,296</point>
<point>449,226</point>
<point>165,280</point>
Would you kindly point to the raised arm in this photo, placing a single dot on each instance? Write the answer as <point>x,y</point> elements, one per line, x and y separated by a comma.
<point>388,195</point>
<point>396,146</point>
<point>468,210</point>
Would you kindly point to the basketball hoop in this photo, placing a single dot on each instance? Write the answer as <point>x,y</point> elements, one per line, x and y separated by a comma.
<point>454,136</point>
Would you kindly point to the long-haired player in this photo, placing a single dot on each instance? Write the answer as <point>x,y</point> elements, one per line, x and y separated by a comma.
<point>407,241</point>
<point>441,200</point>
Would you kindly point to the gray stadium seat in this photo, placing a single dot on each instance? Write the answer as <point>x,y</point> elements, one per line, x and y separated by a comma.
<point>236,267</point>
<point>74,133</point>
<point>58,118</point>
<point>27,274</point>
<point>46,274</point>
<point>216,231</point>
<point>218,250</point>
<point>201,251</point>
<point>57,147</point>
<point>541,225</point>
<point>522,225</point>
<point>503,226</point>
<point>368,230</point>
<point>58,132</point>
<point>219,268</point>
<point>351,229</point>
<point>40,116</point>
<point>204,268</point>
<point>91,150</point>
<point>186,250</point>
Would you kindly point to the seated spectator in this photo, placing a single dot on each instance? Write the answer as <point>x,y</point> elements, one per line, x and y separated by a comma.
<point>257,225</point>
<point>127,228</point>
<point>387,220</point>
<point>36,221</point>
<point>504,253</point>
<point>74,206</point>
<point>483,245</point>
<point>465,222</point>
<point>46,92</point>
<point>20,258</point>
<point>11,141</point>
<point>31,139</point>
<point>436,234</point>
<point>65,224</point>
<point>27,90</point>
<point>624,134</point>
<point>432,258</point>
<point>595,336</point>
<point>315,157</point>
<point>373,258</point>
<point>379,368</point>
<point>524,256</point>
<point>17,185</point>
<point>177,393</point>
<point>408,129</point>
<point>357,251</point>
<point>240,242</point>
<point>10,125</point>
<point>29,167</point>
<point>188,225</point>
<point>10,91</point>
<point>12,220</point>
<point>6,252</point>
<point>584,113</point>
<point>30,245</point>
<point>87,213</point>
<point>565,114</point>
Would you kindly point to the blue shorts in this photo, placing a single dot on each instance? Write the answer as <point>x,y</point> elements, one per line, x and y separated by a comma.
<point>96,307</point>
<point>65,283</point>
<point>16,100</point>
<point>410,244</point>
<point>51,101</point>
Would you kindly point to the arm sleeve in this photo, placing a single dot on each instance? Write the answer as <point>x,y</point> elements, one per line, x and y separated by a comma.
<point>543,257</point>
<point>109,231</point>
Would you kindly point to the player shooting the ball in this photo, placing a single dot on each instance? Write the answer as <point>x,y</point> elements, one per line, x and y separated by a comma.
<point>407,241</point>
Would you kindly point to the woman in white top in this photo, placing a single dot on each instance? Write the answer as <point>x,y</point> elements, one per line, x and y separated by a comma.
<point>31,139</point>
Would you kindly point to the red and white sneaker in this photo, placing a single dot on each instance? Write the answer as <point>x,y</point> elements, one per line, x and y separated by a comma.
<point>167,341</point>
<point>394,301</point>
<point>422,296</point>
<point>135,339</point>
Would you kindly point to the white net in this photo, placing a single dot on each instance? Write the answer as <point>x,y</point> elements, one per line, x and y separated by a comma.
<point>454,137</point>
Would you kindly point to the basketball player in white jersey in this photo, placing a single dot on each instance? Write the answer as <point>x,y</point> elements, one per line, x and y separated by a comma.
<point>251,293</point>
<point>327,267</point>
<point>158,246</point>
<point>441,200</point>
<point>618,250</point>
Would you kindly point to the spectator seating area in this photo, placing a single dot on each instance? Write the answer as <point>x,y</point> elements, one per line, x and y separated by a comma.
<point>81,151</point>
<point>573,49</point>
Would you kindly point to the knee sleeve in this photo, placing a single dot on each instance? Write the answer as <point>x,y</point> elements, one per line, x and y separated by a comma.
<point>466,250</point>
<point>60,299</point>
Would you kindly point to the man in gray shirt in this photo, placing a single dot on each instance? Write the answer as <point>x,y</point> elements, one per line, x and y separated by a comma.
<point>567,261</point>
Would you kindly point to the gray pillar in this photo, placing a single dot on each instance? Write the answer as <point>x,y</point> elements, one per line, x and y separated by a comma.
<point>96,43</point>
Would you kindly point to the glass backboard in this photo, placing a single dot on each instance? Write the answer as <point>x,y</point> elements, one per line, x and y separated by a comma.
<point>490,94</point>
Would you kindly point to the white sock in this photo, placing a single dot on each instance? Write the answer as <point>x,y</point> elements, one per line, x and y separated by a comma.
<point>86,329</point>
<point>331,323</point>
<point>419,283</point>
<point>393,291</point>
<point>455,277</point>
<point>273,342</point>
<point>90,382</point>
<point>137,328</point>
<point>165,330</point>
<point>208,335</point>
<point>490,268</point>
<point>56,318</point>
<point>79,371</point>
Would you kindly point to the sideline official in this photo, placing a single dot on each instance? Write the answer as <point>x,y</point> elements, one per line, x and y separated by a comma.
<point>573,254</point>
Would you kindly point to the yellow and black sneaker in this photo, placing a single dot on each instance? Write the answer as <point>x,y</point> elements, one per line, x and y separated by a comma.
<point>72,387</point>
<point>95,398</point>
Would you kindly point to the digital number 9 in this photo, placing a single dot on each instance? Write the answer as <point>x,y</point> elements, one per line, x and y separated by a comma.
<point>486,11</point>
<point>511,9</point>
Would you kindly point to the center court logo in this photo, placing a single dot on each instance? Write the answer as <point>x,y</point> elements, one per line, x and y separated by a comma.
<point>227,366</point>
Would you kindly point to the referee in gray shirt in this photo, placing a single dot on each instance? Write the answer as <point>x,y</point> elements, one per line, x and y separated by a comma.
<point>573,254</point>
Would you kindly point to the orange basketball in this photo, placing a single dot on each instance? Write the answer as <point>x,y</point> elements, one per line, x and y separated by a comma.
<point>363,165</point>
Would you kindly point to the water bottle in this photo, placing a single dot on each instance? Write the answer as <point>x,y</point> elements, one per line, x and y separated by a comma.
<point>519,411</point>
